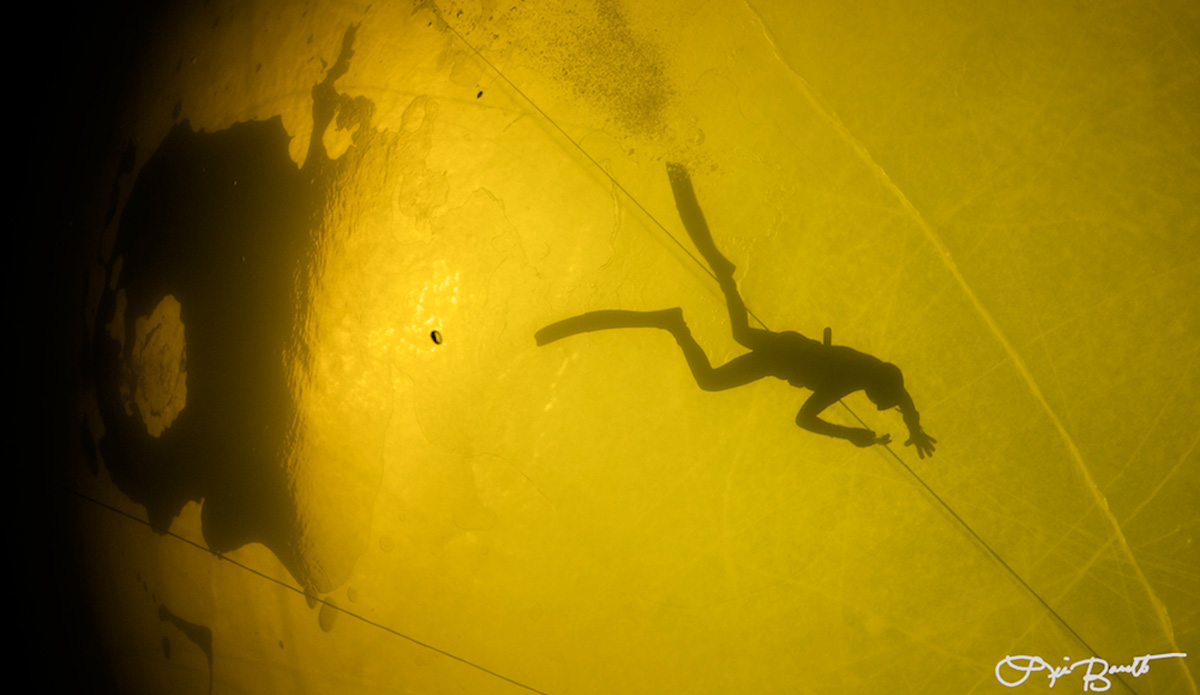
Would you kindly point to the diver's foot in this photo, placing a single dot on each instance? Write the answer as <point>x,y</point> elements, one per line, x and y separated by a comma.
<point>723,269</point>
<point>671,320</point>
<point>668,318</point>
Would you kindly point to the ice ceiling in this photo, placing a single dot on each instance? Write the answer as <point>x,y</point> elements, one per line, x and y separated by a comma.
<point>327,454</point>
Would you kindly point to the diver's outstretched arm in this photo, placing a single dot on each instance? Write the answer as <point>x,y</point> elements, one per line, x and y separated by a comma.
<point>808,418</point>
<point>697,228</point>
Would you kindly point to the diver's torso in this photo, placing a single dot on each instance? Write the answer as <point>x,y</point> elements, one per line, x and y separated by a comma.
<point>807,363</point>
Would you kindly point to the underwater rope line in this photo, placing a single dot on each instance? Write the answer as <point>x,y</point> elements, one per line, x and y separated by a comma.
<point>251,570</point>
<point>993,553</point>
<point>962,522</point>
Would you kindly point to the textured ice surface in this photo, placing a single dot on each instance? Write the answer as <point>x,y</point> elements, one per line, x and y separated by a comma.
<point>1002,201</point>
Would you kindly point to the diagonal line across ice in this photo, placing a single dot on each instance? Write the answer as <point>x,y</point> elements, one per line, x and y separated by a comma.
<point>935,239</point>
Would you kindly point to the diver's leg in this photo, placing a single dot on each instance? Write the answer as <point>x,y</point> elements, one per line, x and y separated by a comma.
<point>697,228</point>
<point>736,372</point>
<point>741,370</point>
<point>739,319</point>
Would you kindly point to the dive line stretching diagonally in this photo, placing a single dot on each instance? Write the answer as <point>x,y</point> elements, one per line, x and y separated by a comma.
<point>935,239</point>
<point>296,590</point>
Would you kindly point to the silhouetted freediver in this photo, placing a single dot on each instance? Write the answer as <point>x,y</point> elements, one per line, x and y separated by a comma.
<point>830,371</point>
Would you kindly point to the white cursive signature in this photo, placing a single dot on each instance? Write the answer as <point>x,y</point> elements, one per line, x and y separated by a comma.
<point>1093,678</point>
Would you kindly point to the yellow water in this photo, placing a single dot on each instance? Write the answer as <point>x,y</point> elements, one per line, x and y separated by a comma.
<point>1003,201</point>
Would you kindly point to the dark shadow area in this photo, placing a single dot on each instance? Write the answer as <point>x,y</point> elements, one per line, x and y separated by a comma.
<point>831,372</point>
<point>220,222</point>
<point>227,225</point>
<point>74,88</point>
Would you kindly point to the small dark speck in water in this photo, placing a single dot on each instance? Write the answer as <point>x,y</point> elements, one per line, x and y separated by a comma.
<point>479,94</point>
<point>437,337</point>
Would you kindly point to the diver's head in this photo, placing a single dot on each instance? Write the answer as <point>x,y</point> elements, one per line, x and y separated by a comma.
<point>886,388</point>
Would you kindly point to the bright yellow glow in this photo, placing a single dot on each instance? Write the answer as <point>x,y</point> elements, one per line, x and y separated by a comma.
<point>1002,201</point>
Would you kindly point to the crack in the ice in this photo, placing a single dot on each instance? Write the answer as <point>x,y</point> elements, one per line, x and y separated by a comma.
<point>1166,403</point>
<point>1162,483</point>
<point>1174,29</point>
<point>1018,362</point>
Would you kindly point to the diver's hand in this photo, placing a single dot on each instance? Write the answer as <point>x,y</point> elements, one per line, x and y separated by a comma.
<point>922,441</point>
<point>865,437</point>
